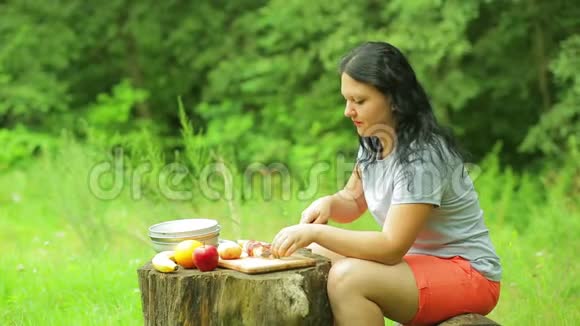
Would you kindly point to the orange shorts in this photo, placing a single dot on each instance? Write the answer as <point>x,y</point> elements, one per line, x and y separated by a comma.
<point>449,287</point>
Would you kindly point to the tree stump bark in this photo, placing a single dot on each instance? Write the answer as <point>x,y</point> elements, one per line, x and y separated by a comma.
<point>227,297</point>
<point>469,319</point>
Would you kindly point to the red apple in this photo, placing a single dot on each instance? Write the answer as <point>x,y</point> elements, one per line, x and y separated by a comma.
<point>206,258</point>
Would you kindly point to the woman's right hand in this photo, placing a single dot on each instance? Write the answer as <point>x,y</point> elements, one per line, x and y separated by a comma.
<point>318,212</point>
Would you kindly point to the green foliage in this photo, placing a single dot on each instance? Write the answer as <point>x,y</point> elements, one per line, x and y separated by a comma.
<point>115,109</point>
<point>512,197</point>
<point>433,33</point>
<point>562,121</point>
<point>513,43</point>
<point>263,74</point>
<point>19,144</point>
<point>37,41</point>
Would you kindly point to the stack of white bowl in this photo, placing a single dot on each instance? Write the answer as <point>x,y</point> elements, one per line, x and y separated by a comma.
<point>166,235</point>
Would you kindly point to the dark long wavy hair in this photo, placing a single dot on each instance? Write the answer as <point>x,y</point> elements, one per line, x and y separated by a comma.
<point>383,66</point>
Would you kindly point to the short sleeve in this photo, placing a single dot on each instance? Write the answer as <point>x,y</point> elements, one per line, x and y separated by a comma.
<point>421,181</point>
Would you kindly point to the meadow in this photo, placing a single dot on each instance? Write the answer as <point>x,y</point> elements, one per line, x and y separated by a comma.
<point>70,258</point>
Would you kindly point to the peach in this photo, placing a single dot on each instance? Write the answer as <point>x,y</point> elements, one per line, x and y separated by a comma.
<point>229,250</point>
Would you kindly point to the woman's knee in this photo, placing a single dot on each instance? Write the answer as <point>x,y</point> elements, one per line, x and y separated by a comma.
<point>391,288</point>
<point>343,274</point>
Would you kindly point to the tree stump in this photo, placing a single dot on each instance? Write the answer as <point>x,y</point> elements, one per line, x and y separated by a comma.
<point>227,297</point>
<point>469,319</point>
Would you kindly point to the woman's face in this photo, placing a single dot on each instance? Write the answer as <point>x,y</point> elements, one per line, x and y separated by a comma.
<point>368,108</point>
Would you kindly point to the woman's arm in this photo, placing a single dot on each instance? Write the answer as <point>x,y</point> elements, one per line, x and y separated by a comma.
<point>345,206</point>
<point>402,225</point>
<point>349,203</point>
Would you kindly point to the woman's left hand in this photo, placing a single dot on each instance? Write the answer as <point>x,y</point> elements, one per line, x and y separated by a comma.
<point>292,238</point>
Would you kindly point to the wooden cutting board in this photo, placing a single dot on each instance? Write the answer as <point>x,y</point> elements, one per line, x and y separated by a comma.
<point>255,265</point>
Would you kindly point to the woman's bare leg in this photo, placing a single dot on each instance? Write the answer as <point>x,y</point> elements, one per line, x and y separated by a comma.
<point>361,292</point>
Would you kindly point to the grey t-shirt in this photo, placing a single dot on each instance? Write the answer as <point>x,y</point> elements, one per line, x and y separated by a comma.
<point>456,226</point>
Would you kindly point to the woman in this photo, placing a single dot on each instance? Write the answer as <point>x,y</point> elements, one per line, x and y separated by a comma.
<point>433,258</point>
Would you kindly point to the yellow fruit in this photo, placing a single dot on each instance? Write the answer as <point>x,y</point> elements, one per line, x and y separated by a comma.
<point>163,262</point>
<point>184,253</point>
<point>229,250</point>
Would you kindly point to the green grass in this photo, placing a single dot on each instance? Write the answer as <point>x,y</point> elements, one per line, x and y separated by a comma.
<point>68,258</point>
